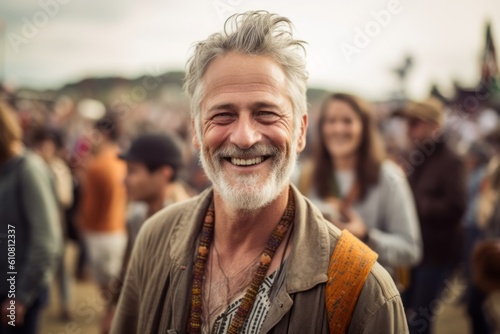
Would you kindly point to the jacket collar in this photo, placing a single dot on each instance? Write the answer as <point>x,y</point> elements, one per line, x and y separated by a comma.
<point>307,264</point>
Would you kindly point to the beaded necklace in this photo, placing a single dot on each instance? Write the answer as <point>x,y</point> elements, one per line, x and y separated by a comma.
<point>246,305</point>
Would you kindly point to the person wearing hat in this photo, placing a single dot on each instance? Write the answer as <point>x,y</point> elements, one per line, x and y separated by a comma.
<point>153,164</point>
<point>437,177</point>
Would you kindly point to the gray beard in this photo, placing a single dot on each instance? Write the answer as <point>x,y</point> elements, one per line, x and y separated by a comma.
<point>246,194</point>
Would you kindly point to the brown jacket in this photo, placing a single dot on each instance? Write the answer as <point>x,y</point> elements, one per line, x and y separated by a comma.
<point>156,294</point>
<point>439,188</point>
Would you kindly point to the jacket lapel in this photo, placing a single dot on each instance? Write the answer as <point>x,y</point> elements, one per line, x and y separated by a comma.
<point>307,264</point>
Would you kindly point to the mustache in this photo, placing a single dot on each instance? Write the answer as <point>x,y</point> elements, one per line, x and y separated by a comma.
<point>254,151</point>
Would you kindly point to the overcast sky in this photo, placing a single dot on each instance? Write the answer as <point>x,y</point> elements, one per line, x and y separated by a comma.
<point>82,38</point>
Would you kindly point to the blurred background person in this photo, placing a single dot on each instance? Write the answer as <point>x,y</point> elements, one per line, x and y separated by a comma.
<point>28,203</point>
<point>72,213</point>
<point>438,182</point>
<point>476,160</point>
<point>488,215</point>
<point>103,204</point>
<point>486,257</point>
<point>154,162</point>
<point>357,188</point>
<point>47,143</point>
<point>486,261</point>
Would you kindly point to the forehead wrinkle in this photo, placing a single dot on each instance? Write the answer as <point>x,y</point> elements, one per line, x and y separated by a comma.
<point>234,83</point>
<point>273,92</point>
<point>261,103</point>
<point>257,77</point>
<point>215,97</point>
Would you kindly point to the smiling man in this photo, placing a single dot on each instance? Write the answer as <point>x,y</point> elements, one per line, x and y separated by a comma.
<point>250,255</point>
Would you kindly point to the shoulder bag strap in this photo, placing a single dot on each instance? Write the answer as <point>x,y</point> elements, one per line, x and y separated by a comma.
<point>349,268</point>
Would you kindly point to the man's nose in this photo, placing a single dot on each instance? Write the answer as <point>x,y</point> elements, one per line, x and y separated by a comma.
<point>245,133</point>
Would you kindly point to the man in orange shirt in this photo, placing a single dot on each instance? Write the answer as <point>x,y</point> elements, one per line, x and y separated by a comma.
<point>104,204</point>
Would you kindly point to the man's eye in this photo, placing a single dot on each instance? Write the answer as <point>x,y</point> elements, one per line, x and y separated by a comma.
<point>267,115</point>
<point>223,116</point>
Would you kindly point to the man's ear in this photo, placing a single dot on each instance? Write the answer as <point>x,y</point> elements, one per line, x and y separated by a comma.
<point>302,136</point>
<point>196,142</point>
<point>167,172</point>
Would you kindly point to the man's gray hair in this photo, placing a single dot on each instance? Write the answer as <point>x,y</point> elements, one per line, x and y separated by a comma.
<point>252,33</point>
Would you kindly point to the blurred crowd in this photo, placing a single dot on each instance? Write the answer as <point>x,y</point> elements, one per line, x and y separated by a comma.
<point>419,182</point>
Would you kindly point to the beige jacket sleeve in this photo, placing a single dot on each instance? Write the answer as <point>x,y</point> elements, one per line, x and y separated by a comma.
<point>127,310</point>
<point>389,318</point>
<point>379,309</point>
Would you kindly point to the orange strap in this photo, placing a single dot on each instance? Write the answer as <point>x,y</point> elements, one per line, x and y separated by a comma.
<point>349,268</point>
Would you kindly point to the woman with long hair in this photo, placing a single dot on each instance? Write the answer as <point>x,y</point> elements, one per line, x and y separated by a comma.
<point>357,188</point>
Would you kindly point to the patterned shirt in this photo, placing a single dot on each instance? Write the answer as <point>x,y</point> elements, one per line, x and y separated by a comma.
<point>257,315</point>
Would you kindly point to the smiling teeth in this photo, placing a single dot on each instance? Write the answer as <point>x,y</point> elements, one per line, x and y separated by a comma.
<point>246,162</point>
